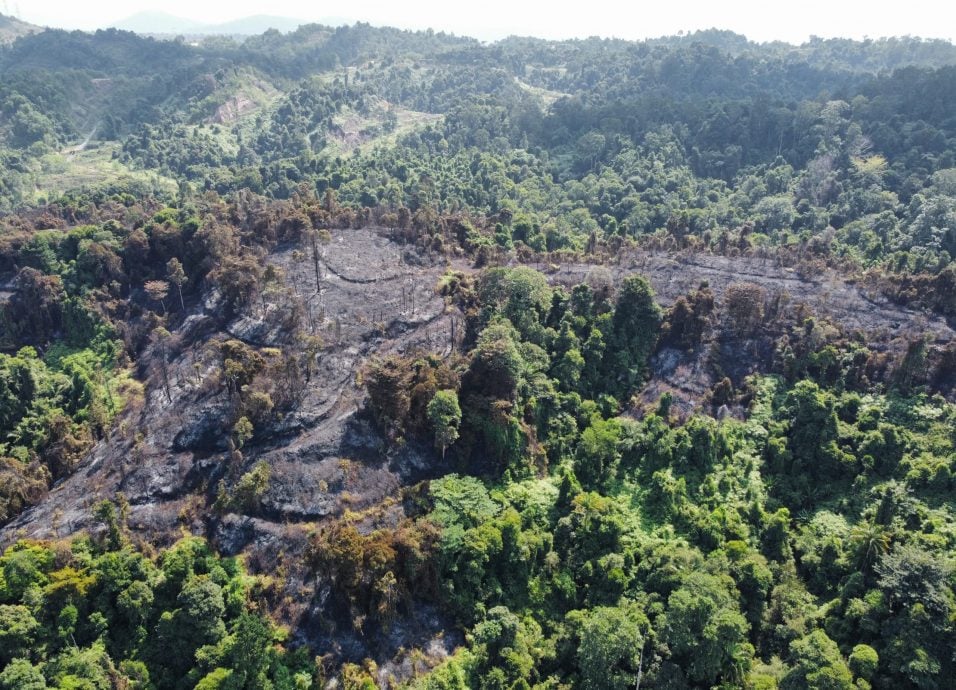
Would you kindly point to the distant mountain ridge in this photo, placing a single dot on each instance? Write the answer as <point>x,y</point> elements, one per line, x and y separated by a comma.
<point>158,23</point>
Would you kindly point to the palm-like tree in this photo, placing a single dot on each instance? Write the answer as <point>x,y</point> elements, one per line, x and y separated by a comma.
<point>870,541</point>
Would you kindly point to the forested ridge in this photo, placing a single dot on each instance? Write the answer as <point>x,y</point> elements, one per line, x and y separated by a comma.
<point>357,357</point>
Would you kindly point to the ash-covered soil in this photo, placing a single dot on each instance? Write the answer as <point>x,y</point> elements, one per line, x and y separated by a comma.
<point>326,456</point>
<point>376,297</point>
<point>824,295</point>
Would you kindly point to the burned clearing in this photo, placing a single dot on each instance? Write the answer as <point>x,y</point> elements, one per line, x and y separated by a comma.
<point>375,297</point>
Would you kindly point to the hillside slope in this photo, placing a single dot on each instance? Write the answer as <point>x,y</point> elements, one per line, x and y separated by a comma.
<point>12,28</point>
<point>357,357</point>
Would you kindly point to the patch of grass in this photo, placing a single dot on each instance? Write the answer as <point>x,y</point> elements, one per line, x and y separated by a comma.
<point>58,173</point>
<point>224,136</point>
<point>358,133</point>
<point>546,96</point>
<point>245,87</point>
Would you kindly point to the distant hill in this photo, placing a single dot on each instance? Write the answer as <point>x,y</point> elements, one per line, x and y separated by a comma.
<point>158,23</point>
<point>12,28</point>
<point>164,23</point>
<point>256,24</point>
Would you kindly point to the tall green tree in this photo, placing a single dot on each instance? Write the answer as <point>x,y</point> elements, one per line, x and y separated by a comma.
<point>634,330</point>
<point>612,647</point>
<point>444,415</point>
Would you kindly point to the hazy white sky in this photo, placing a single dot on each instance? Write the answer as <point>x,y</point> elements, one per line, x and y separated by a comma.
<point>793,20</point>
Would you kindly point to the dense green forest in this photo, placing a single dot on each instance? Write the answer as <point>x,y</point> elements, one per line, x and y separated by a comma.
<point>210,251</point>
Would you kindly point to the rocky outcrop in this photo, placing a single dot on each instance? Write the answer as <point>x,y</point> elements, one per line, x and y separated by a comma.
<point>233,109</point>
